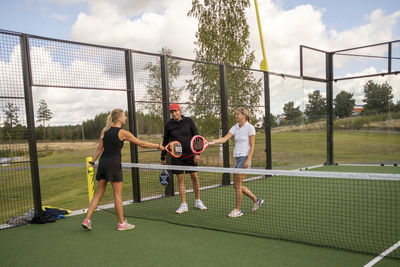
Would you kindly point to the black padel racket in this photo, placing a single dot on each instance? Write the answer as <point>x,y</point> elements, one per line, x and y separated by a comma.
<point>164,178</point>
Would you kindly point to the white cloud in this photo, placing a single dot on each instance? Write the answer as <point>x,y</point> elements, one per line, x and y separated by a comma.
<point>107,24</point>
<point>150,25</point>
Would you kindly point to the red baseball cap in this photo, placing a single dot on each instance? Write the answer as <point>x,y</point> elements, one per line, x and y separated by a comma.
<point>174,106</point>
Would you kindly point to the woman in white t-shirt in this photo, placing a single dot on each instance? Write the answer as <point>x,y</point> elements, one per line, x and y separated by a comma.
<point>244,134</point>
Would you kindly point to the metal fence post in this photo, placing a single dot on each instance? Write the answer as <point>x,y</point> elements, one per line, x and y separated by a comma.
<point>301,61</point>
<point>329,109</point>
<point>389,57</point>
<point>132,124</point>
<point>30,120</point>
<point>224,120</point>
<point>169,189</point>
<point>267,122</point>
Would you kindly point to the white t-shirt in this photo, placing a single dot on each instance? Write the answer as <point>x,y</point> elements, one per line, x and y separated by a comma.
<point>242,140</point>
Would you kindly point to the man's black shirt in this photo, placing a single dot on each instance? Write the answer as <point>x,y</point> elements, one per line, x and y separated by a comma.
<point>181,131</point>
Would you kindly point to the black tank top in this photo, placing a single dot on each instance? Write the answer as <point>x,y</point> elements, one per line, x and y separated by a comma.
<point>112,144</point>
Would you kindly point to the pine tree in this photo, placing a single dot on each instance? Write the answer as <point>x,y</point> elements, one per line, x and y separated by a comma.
<point>43,115</point>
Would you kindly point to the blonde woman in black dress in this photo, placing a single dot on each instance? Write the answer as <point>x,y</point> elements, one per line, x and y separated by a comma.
<point>111,142</point>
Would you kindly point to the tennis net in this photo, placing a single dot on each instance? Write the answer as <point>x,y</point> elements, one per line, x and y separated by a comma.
<point>352,211</point>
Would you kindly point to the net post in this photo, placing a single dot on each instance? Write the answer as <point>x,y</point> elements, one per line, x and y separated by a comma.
<point>169,189</point>
<point>30,120</point>
<point>267,122</point>
<point>89,176</point>
<point>329,109</point>
<point>130,93</point>
<point>224,121</point>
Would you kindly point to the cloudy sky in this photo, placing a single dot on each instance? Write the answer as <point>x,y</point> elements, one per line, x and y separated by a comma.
<point>150,25</point>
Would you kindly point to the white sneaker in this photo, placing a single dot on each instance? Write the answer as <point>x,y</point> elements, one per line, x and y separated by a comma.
<point>125,226</point>
<point>257,204</point>
<point>235,213</point>
<point>199,204</point>
<point>182,208</point>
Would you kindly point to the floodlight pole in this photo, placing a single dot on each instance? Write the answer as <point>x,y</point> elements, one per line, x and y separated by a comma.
<point>264,62</point>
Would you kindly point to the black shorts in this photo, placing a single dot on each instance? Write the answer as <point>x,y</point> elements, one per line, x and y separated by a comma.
<point>110,170</point>
<point>184,161</point>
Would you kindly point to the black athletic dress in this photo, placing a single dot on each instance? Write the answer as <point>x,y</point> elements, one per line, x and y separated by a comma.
<point>110,161</point>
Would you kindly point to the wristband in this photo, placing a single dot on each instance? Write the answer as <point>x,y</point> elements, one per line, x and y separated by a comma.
<point>91,162</point>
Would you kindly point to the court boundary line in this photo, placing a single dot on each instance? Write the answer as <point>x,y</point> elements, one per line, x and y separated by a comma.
<point>382,255</point>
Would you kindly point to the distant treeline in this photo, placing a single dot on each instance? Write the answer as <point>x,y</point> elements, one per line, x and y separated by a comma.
<point>88,130</point>
<point>91,129</point>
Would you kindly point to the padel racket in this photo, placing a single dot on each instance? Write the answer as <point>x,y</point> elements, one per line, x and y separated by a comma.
<point>174,148</point>
<point>164,178</point>
<point>199,143</point>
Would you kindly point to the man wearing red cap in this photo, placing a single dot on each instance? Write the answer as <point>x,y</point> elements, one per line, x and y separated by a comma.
<point>182,129</point>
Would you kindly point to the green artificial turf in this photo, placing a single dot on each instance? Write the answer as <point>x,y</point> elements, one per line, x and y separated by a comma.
<point>153,243</point>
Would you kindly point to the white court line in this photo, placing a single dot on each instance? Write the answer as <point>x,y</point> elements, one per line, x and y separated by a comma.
<point>382,255</point>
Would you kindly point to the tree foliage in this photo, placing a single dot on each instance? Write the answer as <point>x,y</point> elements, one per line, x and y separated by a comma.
<point>344,104</point>
<point>316,107</point>
<point>272,119</point>
<point>12,128</point>
<point>222,37</point>
<point>292,113</point>
<point>154,88</point>
<point>378,98</point>
<point>11,114</point>
<point>44,114</point>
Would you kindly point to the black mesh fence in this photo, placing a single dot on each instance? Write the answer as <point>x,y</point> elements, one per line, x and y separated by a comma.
<point>245,89</point>
<point>70,65</point>
<point>15,174</point>
<point>364,134</point>
<point>81,83</point>
<point>367,105</point>
<point>298,114</point>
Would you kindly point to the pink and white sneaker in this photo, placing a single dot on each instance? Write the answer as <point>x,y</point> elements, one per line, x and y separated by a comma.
<point>125,226</point>
<point>87,224</point>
